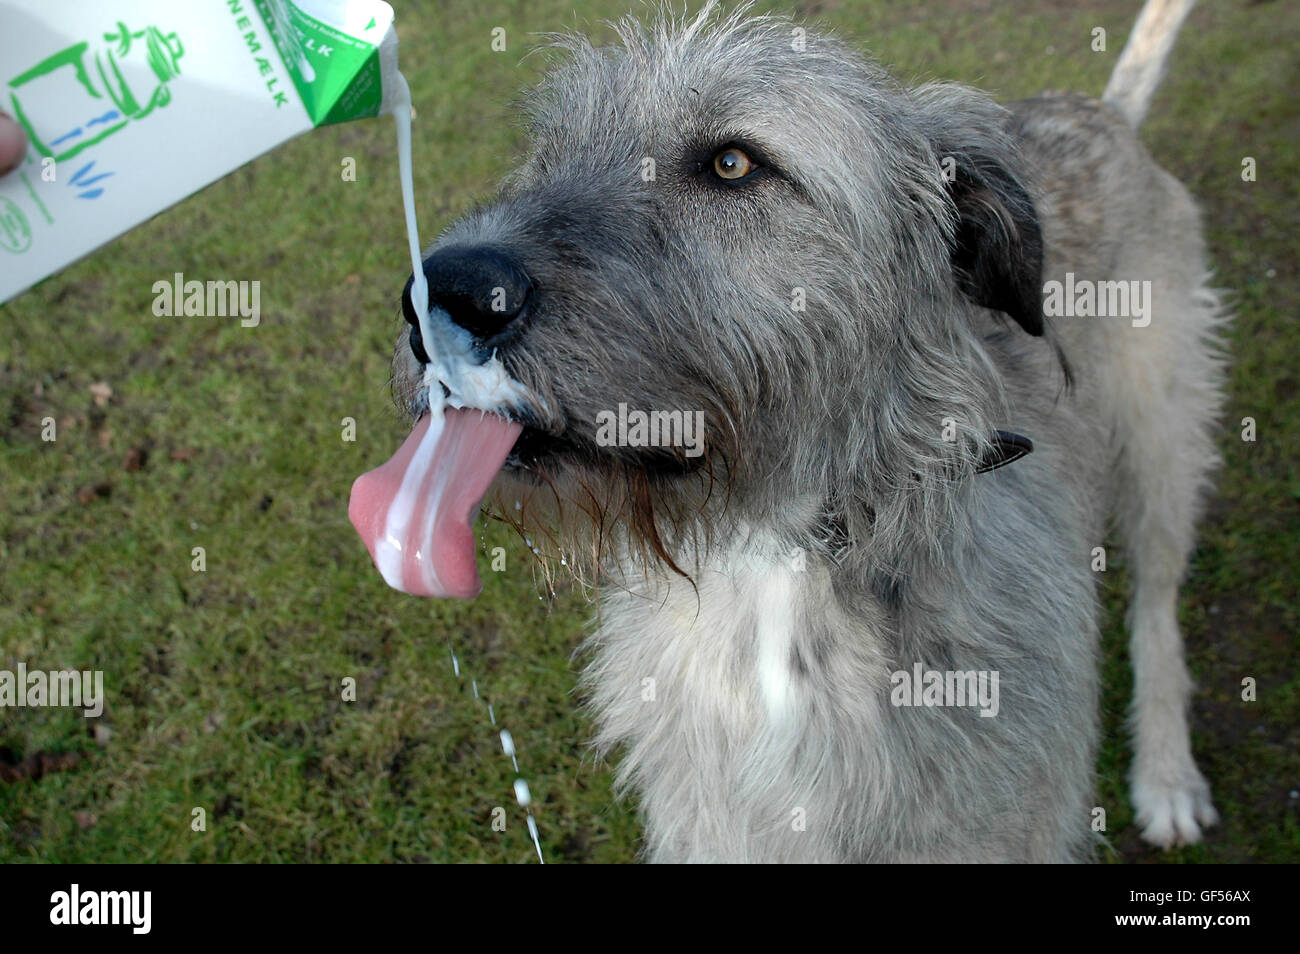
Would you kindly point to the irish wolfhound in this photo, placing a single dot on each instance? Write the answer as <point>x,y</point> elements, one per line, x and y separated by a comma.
<point>835,629</point>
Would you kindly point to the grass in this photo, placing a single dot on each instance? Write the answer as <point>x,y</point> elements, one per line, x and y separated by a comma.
<point>224,687</point>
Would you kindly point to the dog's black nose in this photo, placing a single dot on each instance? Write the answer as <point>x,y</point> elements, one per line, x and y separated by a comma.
<point>482,288</point>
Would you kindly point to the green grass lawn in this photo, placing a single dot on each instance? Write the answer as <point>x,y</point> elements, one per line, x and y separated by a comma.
<point>224,686</point>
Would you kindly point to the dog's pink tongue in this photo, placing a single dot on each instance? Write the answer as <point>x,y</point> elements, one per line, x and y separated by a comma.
<point>414,512</point>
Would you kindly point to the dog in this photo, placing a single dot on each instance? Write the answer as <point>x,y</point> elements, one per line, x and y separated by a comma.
<point>934,344</point>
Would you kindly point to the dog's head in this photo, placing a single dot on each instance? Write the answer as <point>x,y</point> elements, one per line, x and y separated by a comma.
<point>744,223</point>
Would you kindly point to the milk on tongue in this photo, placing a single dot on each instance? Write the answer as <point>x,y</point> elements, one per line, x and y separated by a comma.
<point>415,512</point>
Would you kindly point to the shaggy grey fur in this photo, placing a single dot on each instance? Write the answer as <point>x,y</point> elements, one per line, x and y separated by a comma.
<point>755,602</point>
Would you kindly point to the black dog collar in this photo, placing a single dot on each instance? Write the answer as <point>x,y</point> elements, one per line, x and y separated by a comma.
<point>1007,449</point>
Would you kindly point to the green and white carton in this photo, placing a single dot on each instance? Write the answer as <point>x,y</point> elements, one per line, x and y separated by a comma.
<point>132,105</point>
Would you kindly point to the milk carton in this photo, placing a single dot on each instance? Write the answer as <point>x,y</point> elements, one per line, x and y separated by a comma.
<point>132,105</point>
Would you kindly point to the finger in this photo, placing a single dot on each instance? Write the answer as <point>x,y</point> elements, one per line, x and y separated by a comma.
<point>13,144</point>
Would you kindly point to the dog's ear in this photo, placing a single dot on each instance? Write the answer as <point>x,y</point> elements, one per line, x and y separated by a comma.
<point>997,251</point>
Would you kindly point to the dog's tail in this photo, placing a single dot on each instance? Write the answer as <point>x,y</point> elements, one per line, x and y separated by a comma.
<point>1142,63</point>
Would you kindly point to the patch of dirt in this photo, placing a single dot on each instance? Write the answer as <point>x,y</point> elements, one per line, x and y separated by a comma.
<point>37,765</point>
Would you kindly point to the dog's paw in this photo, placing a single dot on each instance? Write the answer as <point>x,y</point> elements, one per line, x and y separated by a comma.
<point>1173,806</point>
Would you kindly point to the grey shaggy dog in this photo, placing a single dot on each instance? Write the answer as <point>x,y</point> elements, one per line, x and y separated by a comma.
<point>735,215</point>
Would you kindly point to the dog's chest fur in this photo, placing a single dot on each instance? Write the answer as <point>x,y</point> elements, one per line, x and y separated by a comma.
<point>730,706</point>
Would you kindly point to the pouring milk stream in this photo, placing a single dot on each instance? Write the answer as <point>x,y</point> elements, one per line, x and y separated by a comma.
<point>415,513</point>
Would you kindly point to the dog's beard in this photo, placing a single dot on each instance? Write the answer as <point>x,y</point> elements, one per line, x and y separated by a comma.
<point>587,515</point>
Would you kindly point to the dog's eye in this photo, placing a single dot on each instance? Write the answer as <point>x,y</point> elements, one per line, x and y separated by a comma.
<point>733,164</point>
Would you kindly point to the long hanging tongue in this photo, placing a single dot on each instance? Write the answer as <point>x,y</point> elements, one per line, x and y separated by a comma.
<point>414,512</point>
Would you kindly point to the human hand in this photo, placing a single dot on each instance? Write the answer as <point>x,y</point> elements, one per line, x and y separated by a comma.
<point>13,144</point>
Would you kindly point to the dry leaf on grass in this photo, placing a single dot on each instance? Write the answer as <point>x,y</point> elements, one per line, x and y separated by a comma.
<point>101,391</point>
